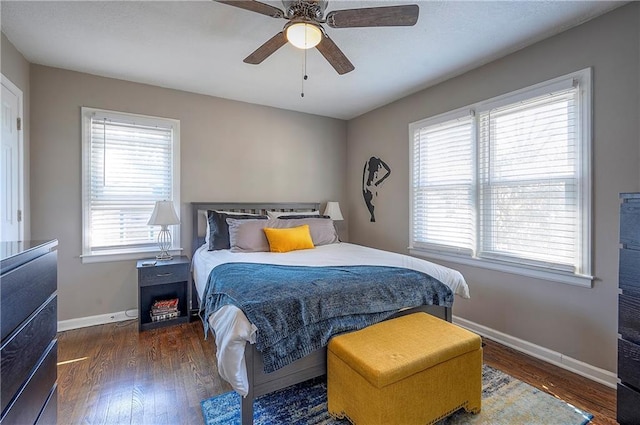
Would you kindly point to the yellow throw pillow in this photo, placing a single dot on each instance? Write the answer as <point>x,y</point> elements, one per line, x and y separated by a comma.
<point>290,239</point>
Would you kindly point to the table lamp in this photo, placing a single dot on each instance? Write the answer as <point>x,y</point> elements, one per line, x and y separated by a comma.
<point>164,214</point>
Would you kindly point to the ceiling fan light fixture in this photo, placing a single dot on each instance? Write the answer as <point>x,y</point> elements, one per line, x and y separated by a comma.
<point>303,35</point>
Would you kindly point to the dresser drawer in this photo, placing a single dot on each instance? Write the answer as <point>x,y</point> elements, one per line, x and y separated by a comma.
<point>165,274</point>
<point>629,318</point>
<point>24,289</point>
<point>630,223</point>
<point>629,363</point>
<point>628,402</point>
<point>631,292</point>
<point>49,415</point>
<point>24,348</point>
<point>629,277</point>
<point>26,407</point>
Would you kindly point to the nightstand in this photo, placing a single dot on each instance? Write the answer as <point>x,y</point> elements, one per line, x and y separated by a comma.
<point>166,279</point>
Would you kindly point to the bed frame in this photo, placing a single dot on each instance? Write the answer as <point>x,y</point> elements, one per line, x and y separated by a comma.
<point>310,366</point>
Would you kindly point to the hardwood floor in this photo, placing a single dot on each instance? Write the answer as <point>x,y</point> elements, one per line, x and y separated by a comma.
<point>111,374</point>
<point>583,393</point>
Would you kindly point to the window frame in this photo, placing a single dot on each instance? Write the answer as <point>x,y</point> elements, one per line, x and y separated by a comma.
<point>584,143</point>
<point>134,252</point>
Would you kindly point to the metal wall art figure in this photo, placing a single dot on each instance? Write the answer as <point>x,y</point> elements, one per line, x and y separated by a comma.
<point>374,174</point>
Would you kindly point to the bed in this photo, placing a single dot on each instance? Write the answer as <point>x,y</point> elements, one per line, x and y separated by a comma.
<point>241,364</point>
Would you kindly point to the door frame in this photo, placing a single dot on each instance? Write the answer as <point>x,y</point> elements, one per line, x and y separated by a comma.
<point>8,84</point>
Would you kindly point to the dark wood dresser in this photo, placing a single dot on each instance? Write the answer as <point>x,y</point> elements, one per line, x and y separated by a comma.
<point>629,311</point>
<point>28,322</point>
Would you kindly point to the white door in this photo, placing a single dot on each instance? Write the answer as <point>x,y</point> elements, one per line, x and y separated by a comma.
<point>10,172</point>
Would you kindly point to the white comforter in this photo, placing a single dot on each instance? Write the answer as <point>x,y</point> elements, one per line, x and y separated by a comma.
<point>231,328</point>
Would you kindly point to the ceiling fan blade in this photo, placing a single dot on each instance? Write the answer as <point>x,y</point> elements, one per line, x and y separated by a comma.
<point>267,49</point>
<point>386,16</point>
<point>255,6</point>
<point>334,56</point>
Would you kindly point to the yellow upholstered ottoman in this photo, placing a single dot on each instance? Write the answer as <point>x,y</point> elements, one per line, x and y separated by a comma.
<point>414,369</point>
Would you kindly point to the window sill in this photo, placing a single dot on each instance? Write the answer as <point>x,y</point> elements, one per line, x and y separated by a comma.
<point>538,273</point>
<point>138,254</point>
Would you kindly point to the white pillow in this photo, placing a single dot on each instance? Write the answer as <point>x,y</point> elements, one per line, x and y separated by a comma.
<point>207,230</point>
<point>276,214</point>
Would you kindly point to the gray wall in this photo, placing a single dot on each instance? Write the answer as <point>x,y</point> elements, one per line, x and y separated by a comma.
<point>233,151</point>
<point>16,68</point>
<point>578,322</point>
<point>230,151</point>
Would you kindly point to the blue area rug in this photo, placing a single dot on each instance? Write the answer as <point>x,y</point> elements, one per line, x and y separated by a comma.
<point>505,400</point>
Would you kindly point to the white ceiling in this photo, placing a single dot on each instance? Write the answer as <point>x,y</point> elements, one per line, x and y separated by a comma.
<point>198,46</point>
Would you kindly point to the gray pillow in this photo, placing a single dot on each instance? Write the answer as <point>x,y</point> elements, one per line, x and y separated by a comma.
<point>247,235</point>
<point>323,231</point>
<point>218,230</point>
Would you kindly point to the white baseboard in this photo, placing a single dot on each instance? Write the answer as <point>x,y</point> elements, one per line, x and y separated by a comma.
<point>594,373</point>
<point>101,319</point>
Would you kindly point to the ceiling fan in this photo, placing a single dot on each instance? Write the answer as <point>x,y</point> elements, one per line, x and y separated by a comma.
<point>304,29</point>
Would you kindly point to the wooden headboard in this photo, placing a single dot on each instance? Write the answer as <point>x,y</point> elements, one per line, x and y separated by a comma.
<point>198,213</point>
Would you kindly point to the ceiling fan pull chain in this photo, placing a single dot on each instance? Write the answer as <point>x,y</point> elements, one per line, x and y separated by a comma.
<point>304,72</point>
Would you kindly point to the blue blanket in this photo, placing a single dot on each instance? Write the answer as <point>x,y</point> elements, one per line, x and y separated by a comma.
<point>297,309</point>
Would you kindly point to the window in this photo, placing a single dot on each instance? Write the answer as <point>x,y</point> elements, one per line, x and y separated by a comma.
<point>506,183</point>
<point>129,163</point>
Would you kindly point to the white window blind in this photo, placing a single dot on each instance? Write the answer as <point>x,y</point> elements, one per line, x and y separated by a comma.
<point>509,183</point>
<point>443,185</point>
<point>529,181</point>
<point>129,164</point>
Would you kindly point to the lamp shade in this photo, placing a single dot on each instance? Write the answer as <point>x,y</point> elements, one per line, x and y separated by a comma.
<point>333,210</point>
<point>163,214</point>
<point>304,36</point>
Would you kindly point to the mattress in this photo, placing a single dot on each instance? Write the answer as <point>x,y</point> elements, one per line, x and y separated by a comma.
<point>230,326</point>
